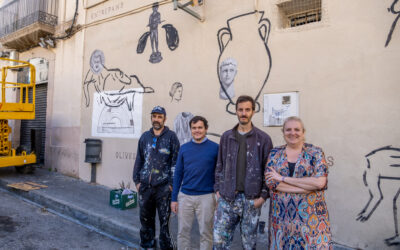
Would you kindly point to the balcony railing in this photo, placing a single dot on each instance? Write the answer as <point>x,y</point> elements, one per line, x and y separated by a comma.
<point>19,14</point>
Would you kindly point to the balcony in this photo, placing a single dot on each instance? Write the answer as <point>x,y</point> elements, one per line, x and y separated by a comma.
<point>24,22</point>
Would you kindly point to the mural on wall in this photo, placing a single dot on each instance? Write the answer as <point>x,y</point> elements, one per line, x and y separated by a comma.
<point>227,73</point>
<point>279,106</point>
<point>182,127</point>
<point>172,36</point>
<point>383,166</point>
<point>116,97</point>
<point>117,121</point>
<point>176,92</point>
<point>245,40</point>
<point>397,13</point>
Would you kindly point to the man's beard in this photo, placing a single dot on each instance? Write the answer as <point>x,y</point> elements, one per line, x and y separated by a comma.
<point>157,125</point>
<point>244,122</point>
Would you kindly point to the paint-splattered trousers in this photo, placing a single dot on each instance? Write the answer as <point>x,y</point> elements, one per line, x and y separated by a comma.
<point>150,199</point>
<point>228,215</point>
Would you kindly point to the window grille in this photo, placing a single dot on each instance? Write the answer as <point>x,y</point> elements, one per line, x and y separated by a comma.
<point>300,12</point>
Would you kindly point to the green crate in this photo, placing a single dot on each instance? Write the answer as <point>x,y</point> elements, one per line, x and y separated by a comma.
<point>122,202</point>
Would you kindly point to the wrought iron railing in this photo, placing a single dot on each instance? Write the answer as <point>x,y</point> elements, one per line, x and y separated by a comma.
<point>21,13</point>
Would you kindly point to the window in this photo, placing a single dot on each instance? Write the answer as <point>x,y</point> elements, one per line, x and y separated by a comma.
<point>299,12</point>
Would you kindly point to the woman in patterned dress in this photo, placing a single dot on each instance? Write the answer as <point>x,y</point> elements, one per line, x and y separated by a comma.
<point>296,175</point>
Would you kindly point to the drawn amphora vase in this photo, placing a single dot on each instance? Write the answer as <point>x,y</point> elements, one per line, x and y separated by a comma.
<point>245,39</point>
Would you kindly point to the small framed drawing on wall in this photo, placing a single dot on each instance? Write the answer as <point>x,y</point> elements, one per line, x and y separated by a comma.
<point>279,106</point>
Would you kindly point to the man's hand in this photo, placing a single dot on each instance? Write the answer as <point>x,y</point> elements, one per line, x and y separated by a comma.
<point>217,194</point>
<point>137,187</point>
<point>259,202</point>
<point>174,207</point>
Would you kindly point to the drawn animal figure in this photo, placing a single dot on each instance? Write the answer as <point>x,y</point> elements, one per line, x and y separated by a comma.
<point>397,13</point>
<point>172,36</point>
<point>383,165</point>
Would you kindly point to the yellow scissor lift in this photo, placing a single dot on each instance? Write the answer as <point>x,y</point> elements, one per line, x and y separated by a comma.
<point>19,108</point>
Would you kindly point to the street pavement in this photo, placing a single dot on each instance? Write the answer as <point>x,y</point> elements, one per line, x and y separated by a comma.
<point>88,205</point>
<point>27,226</point>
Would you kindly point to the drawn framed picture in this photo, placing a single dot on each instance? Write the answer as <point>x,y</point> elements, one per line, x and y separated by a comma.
<point>279,106</point>
<point>116,114</point>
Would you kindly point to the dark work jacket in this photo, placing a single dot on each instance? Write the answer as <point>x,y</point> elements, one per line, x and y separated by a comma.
<point>154,165</point>
<point>258,146</point>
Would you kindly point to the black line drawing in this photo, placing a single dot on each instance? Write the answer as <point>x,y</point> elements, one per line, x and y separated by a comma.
<point>116,120</point>
<point>182,127</point>
<point>172,36</point>
<point>176,91</point>
<point>227,73</point>
<point>257,38</point>
<point>393,11</point>
<point>377,173</point>
<point>114,98</point>
<point>103,79</point>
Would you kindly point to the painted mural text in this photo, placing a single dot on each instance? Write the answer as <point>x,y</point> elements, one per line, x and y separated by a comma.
<point>125,155</point>
<point>330,161</point>
<point>107,10</point>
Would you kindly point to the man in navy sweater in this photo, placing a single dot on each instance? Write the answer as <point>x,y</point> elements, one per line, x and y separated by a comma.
<point>194,178</point>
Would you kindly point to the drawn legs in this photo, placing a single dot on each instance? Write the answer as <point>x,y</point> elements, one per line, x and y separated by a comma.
<point>395,240</point>
<point>375,193</point>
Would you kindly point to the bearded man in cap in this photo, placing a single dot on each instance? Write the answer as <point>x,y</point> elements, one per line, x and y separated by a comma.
<point>156,157</point>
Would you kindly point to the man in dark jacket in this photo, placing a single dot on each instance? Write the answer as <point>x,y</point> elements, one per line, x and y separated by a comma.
<point>239,178</point>
<point>155,159</point>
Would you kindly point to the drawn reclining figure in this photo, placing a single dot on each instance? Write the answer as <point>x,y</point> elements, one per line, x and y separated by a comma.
<point>114,79</point>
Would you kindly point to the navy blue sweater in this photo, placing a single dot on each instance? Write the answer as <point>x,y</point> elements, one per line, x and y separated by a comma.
<point>195,167</point>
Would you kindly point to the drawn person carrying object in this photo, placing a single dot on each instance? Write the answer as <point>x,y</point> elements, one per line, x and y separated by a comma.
<point>171,36</point>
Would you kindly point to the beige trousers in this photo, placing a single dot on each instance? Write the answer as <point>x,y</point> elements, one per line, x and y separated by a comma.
<point>203,207</point>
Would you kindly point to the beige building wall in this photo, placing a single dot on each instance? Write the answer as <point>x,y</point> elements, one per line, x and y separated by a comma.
<point>64,90</point>
<point>344,75</point>
<point>64,94</point>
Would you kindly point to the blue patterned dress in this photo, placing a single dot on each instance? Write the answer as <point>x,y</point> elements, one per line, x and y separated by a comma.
<point>298,221</point>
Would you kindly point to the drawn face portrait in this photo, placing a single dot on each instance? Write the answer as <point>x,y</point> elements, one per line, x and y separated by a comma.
<point>155,7</point>
<point>97,61</point>
<point>178,94</point>
<point>227,74</point>
<point>176,91</point>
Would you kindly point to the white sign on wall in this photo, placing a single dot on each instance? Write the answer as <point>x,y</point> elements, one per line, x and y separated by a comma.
<point>42,69</point>
<point>120,117</point>
<point>279,106</point>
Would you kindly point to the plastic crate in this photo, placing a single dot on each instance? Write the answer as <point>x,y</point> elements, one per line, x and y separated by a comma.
<point>118,200</point>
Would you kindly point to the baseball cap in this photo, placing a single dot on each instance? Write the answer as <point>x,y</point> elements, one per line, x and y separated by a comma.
<point>159,110</point>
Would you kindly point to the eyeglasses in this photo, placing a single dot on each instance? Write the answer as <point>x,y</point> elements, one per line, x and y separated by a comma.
<point>154,142</point>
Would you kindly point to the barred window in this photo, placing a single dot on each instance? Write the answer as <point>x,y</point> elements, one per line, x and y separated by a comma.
<point>299,12</point>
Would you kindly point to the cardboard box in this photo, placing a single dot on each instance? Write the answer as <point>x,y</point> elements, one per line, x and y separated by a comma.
<point>118,200</point>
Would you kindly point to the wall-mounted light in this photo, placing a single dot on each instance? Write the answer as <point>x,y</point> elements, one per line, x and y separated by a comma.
<point>5,54</point>
<point>50,42</point>
<point>45,42</point>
